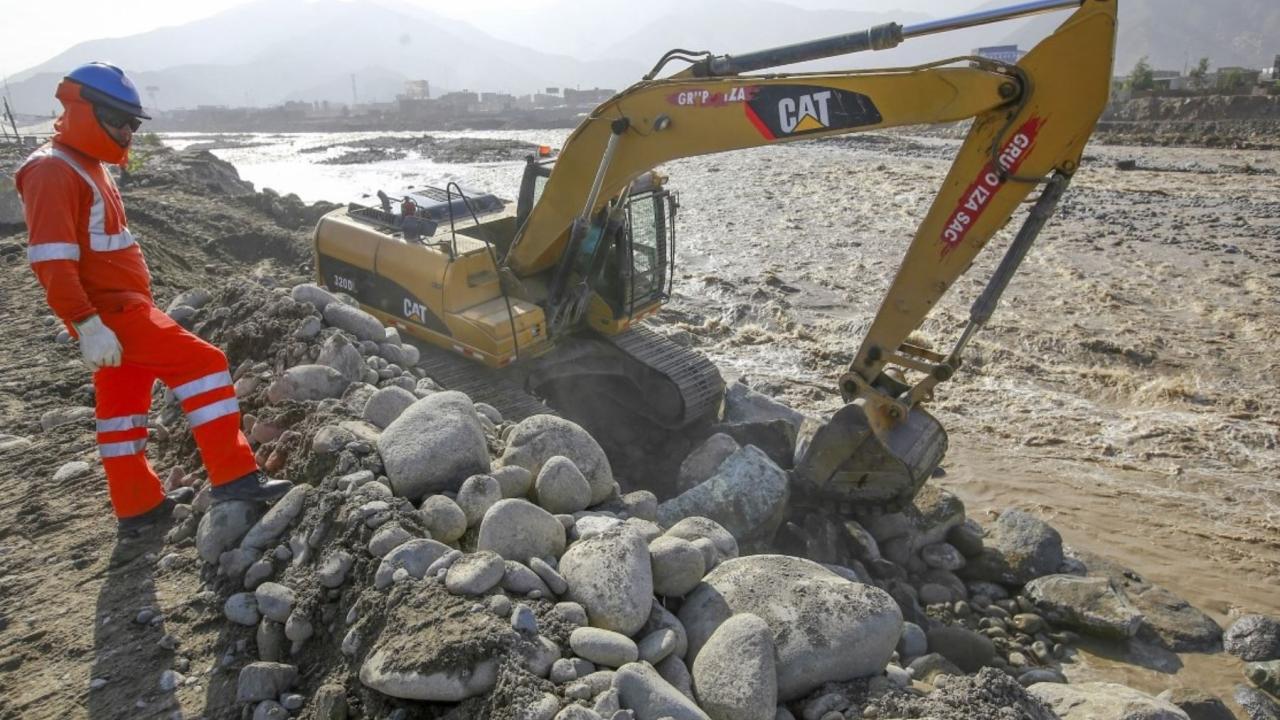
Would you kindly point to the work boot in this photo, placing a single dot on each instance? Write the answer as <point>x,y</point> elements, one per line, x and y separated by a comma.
<point>157,515</point>
<point>254,487</point>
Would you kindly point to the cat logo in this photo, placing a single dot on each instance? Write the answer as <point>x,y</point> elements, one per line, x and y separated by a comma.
<point>415,311</point>
<point>804,114</point>
<point>791,110</point>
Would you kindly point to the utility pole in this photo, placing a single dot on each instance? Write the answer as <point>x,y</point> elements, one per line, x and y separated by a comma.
<point>12,122</point>
<point>354,99</point>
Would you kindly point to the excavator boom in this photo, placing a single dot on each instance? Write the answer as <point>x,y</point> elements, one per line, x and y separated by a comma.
<point>1030,123</point>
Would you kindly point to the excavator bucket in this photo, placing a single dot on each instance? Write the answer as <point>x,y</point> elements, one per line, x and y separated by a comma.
<point>845,460</point>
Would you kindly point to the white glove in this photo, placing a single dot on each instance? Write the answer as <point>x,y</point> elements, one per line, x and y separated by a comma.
<point>98,344</point>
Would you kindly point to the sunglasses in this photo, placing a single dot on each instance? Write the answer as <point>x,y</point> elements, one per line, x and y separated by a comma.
<point>117,119</point>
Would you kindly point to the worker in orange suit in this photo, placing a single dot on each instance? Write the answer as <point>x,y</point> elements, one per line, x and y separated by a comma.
<point>97,282</point>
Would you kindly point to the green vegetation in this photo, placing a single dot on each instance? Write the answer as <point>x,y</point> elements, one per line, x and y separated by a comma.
<point>143,147</point>
<point>1141,77</point>
<point>1199,74</point>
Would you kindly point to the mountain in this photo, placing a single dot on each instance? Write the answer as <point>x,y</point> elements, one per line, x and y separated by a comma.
<point>271,51</point>
<point>292,47</point>
<point>1174,34</point>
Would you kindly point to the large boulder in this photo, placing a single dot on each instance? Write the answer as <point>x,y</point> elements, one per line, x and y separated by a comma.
<point>1253,637</point>
<point>434,445</point>
<point>537,439</point>
<point>519,530</point>
<point>1091,605</point>
<point>1021,547</point>
<point>1103,701</point>
<point>734,676</point>
<point>747,495</point>
<point>609,575</point>
<point>825,628</point>
<point>1167,619</point>
<point>307,382</point>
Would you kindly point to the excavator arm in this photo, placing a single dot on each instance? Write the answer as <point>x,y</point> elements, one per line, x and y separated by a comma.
<point>1030,125</point>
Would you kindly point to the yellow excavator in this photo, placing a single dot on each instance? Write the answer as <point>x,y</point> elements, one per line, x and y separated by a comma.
<point>550,289</point>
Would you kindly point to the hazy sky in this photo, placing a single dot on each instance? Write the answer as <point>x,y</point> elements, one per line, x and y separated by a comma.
<point>33,32</point>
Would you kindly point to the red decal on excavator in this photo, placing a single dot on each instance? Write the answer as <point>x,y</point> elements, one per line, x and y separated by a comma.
<point>977,197</point>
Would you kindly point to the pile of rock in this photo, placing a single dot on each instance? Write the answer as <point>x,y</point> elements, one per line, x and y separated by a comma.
<point>448,555</point>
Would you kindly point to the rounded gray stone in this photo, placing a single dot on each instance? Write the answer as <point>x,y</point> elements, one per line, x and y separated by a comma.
<point>611,577</point>
<point>433,446</point>
<point>656,646</point>
<point>514,480</point>
<point>538,438</point>
<point>520,580</point>
<point>307,382</point>
<point>561,486</point>
<point>603,647</point>
<point>1253,638</point>
<point>678,566</point>
<point>444,519</point>
<point>339,354</point>
<point>275,601</point>
<point>314,294</point>
<point>519,530</point>
<point>692,528</point>
<point>414,557</point>
<point>385,405</point>
<point>223,527</point>
<point>387,538</point>
<point>477,495</point>
<point>734,677</point>
<point>333,568</point>
<point>825,628</point>
<point>553,579</point>
<point>355,321</point>
<point>651,697</point>
<point>475,574</point>
<point>242,609</point>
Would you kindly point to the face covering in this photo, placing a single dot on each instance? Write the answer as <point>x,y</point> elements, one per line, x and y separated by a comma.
<point>79,128</point>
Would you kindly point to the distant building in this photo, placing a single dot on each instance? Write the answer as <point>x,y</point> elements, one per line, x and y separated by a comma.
<point>1000,53</point>
<point>1168,80</point>
<point>591,97</point>
<point>416,90</point>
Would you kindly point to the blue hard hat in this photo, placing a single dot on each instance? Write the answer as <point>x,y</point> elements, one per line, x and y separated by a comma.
<point>105,84</point>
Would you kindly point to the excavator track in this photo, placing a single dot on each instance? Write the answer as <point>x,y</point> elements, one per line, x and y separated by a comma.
<point>481,383</point>
<point>637,374</point>
<point>696,378</point>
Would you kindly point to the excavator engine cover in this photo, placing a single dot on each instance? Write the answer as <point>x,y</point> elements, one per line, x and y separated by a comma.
<point>846,461</point>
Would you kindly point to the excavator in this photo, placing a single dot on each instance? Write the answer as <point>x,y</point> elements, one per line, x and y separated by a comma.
<point>547,293</point>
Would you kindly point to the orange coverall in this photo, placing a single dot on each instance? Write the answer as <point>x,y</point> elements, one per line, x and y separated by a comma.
<point>81,250</point>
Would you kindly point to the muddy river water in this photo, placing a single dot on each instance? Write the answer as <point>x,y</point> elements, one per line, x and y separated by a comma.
<point>1126,390</point>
